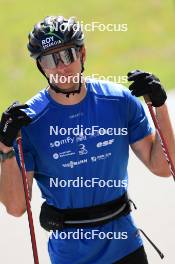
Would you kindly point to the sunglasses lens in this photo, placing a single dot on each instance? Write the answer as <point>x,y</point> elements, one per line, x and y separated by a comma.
<point>67,56</point>
<point>48,61</point>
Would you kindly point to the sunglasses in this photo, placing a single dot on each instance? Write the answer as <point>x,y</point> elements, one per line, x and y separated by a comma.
<point>66,56</point>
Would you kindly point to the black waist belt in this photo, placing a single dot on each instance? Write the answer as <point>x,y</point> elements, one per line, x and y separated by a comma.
<point>52,218</point>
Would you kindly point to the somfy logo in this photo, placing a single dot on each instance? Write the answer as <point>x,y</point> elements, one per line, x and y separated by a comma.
<point>58,143</point>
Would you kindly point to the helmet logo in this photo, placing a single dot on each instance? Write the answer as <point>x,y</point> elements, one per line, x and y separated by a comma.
<point>49,42</point>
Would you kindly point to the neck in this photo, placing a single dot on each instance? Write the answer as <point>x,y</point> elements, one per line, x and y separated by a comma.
<point>72,99</point>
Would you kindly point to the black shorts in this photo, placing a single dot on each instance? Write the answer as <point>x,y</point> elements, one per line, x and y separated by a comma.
<point>136,257</point>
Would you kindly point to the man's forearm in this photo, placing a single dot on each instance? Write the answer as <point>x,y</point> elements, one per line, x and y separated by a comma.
<point>158,159</point>
<point>11,186</point>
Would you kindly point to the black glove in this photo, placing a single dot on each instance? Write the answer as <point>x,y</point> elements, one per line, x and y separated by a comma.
<point>11,122</point>
<point>145,83</point>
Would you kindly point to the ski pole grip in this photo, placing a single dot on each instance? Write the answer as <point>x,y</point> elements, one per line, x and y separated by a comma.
<point>147,99</point>
<point>18,135</point>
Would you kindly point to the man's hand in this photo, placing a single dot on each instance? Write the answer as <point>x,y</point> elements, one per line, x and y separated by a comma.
<point>145,83</point>
<point>11,122</point>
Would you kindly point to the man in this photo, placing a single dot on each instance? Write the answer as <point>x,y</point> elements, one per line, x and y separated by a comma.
<point>82,175</point>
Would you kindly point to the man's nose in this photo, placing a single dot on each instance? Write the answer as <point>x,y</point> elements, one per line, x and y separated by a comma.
<point>61,67</point>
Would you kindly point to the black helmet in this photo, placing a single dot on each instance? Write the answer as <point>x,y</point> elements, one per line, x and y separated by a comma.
<point>52,32</point>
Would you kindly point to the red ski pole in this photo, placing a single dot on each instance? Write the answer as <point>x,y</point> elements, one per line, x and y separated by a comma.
<point>162,140</point>
<point>27,198</point>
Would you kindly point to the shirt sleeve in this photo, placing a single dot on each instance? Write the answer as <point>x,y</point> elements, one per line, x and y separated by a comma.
<point>138,124</point>
<point>28,152</point>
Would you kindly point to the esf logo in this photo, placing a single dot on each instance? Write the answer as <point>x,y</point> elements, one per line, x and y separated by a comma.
<point>105,143</point>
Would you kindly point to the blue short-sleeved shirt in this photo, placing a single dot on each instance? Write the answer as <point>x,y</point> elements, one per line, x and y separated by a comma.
<point>79,154</point>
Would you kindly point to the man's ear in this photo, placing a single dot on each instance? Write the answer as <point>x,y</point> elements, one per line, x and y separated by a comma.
<point>83,54</point>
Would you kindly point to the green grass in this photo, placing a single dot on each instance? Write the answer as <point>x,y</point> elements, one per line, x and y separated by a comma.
<point>148,44</point>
